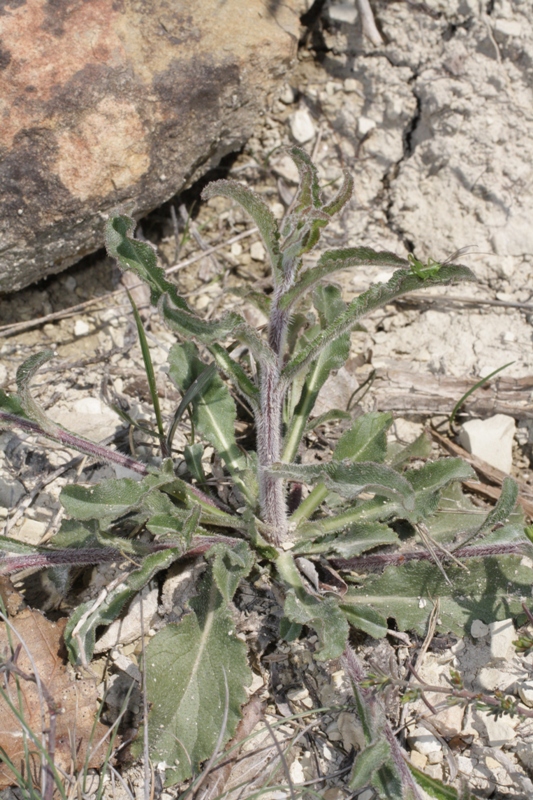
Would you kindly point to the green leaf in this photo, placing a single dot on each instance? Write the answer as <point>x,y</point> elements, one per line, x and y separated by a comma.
<point>367,762</point>
<point>365,619</point>
<point>259,212</point>
<point>433,786</point>
<point>140,257</point>
<point>334,261</point>
<point>328,303</point>
<point>235,373</point>
<point>213,408</point>
<point>430,479</point>
<point>366,440</point>
<point>11,404</point>
<point>289,631</point>
<point>308,193</point>
<point>402,282</point>
<point>112,499</point>
<point>149,369</point>
<point>321,614</point>
<point>350,479</point>
<point>188,666</point>
<point>352,541</point>
<point>80,631</point>
<point>25,375</point>
<point>493,588</point>
<point>230,565</point>
<point>193,454</point>
<point>397,454</point>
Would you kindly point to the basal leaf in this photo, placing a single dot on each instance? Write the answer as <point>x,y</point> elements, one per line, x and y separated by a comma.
<point>493,588</point>
<point>353,540</point>
<point>429,480</point>
<point>321,614</point>
<point>397,454</point>
<point>230,565</point>
<point>365,619</point>
<point>188,667</point>
<point>112,499</point>
<point>80,631</point>
<point>11,404</point>
<point>324,616</point>
<point>350,479</point>
<point>366,440</point>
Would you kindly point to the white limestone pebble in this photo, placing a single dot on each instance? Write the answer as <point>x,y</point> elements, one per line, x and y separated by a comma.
<point>502,634</point>
<point>490,439</point>
<point>302,126</point>
<point>478,629</point>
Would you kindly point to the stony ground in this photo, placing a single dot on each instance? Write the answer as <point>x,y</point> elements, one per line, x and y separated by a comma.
<point>435,126</point>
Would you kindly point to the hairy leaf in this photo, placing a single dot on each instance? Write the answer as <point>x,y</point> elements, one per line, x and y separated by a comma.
<point>82,625</point>
<point>433,786</point>
<point>493,588</point>
<point>365,619</point>
<point>11,404</point>
<point>430,479</point>
<point>112,499</point>
<point>230,565</point>
<point>257,209</point>
<point>402,282</point>
<point>367,762</point>
<point>140,257</point>
<point>321,614</point>
<point>334,261</point>
<point>354,540</point>
<point>328,303</point>
<point>213,407</point>
<point>366,440</point>
<point>188,667</point>
<point>350,479</point>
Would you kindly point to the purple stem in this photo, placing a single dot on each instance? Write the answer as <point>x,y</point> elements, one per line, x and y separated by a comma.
<point>88,448</point>
<point>88,556</point>
<point>387,559</point>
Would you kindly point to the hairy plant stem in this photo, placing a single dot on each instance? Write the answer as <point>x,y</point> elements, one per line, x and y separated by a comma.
<point>271,487</point>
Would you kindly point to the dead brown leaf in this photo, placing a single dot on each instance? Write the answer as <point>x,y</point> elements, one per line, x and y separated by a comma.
<point>42,652</point>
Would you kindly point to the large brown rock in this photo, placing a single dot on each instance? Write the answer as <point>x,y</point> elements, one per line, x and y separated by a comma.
<point>111,102</point>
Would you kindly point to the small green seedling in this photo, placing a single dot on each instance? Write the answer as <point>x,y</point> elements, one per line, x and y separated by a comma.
<point>356,539</point>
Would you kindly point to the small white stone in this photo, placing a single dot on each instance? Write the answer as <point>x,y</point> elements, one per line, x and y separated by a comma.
<point>70,283</point>
<point>434,771</point>
<point>343,12</point>
<point>502,634</point>
<point>287,95</point>
<point>368,794</point>
<point>435,757</point>
<point>365,125</point>
<point>278,209</point>
<point>351,85</point>
<point>286,169</point>
<point>297,695</point>
<point>424,742</point>
<point>464,765</point>
<point>236,249</point>
<point>491,440</point>
<point>507,27</point>
<point>257,251</point>
<point>478,629</point>
<point>3,375</point>
<point>81,328</point>
<point>525,690</point>
<point>499,732</point>
<point>302,126</point>
<point>296,772</point>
